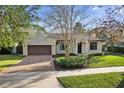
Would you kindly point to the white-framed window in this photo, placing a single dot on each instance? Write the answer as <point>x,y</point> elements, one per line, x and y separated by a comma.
<point>93,45</point>
<point>62,46</point>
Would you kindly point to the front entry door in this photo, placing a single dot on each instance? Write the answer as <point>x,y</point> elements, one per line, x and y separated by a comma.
<point>79,48</point>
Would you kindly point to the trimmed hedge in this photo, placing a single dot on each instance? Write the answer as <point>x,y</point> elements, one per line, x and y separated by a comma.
<point>116,49</point>
<point>71,62</point>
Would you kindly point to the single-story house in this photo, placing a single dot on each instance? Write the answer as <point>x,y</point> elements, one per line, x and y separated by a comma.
<point>43,44</point>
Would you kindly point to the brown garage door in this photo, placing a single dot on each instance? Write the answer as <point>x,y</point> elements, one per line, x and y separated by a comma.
<point>39,50</point>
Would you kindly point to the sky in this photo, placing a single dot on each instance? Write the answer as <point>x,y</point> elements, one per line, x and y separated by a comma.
<point>94,13</point>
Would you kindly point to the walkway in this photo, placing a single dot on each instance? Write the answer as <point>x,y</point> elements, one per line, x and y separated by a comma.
<point>47,79</point>
<point>89,71</point>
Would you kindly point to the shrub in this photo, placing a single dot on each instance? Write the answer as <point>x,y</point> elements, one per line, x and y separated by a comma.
<point>6,50</point>
<point>98,54</point>
<point>116,49</point>
<point>93,54</point>
<point>71,62</point>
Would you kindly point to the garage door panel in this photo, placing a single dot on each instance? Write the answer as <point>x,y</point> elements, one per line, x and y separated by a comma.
<point>39,50</point>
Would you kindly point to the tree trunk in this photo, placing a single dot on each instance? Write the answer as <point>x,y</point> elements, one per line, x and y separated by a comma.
<point>87,61</point>
<point>66,50</point>
<point>66,53</point>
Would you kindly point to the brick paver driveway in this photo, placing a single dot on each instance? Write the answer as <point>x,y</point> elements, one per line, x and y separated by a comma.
<point>32,63</point>
<point>32,71</point>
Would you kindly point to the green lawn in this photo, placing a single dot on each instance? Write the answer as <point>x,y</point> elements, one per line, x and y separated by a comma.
<point>7,60</point>
<point>106,80</point>
<point>107,61</point>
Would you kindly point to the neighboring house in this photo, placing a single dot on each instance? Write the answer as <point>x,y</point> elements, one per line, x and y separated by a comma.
<point>43,44</point>
<point>121,43</point>
<point>105,34</point>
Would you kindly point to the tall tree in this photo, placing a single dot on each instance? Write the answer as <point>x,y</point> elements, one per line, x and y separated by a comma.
<point>14,20</point>
<point>63,19</point>
<point>78,28</point>
<point>111,28</point>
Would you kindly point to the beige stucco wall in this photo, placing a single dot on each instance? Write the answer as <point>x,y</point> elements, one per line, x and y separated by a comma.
<point>43,39</point>
<point>83,47</point>
<point>99,47</point>
<point>72,49</point>
<point>40,39</point>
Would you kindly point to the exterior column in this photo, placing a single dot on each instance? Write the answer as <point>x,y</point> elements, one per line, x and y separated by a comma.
<point>25,50</point>
<point>53,50</point>
<point>76,48</point>
<point>87,47</point>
